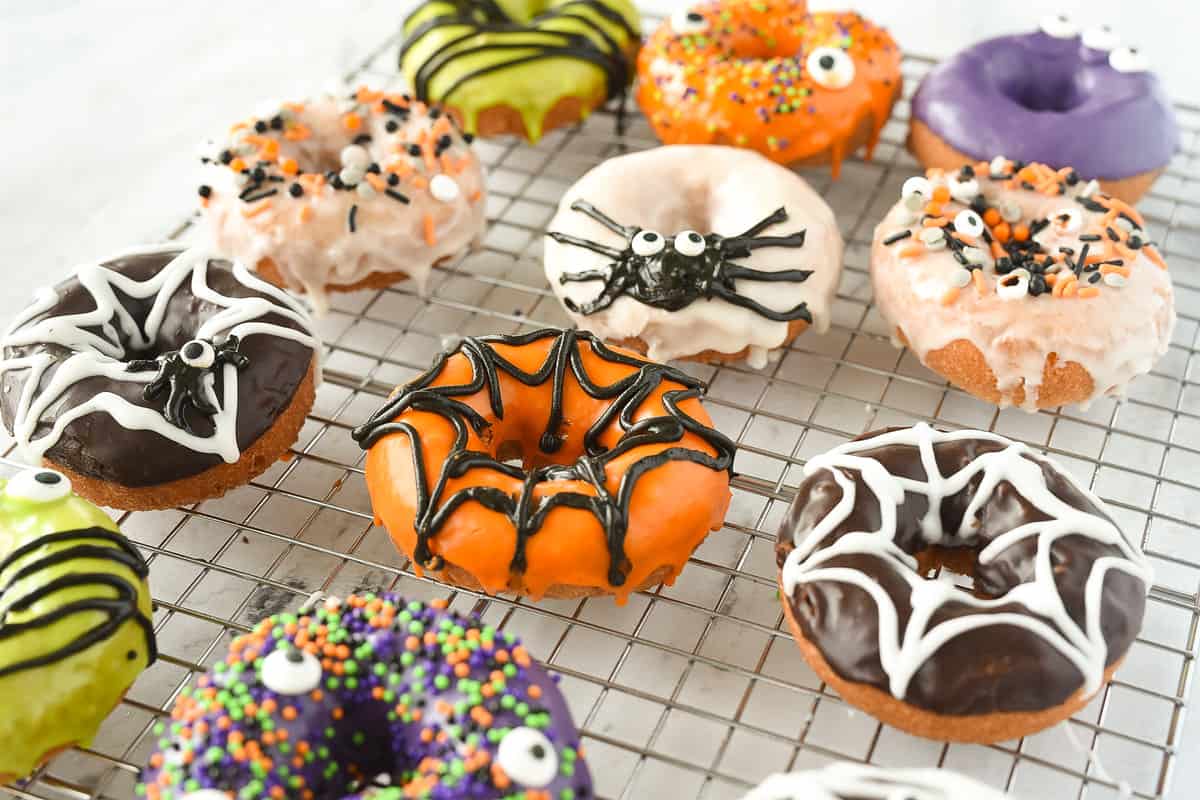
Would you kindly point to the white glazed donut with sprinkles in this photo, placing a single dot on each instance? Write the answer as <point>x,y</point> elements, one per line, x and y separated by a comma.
<point>343,192</point>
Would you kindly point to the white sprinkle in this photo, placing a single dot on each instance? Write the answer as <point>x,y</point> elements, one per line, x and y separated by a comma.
<point>933,238</point>
<point>444,188</point>
<point>351,175</point>
<point>964,191</point>
<point>1090,188</point>
<point>1010,211</point>
<point>975,255</point>
<point>1125,224</point>
<point>355,156</point>
<point>1115,279</point>
<point>365,190</point>
<point>999,167</point>
<point>961,278</point>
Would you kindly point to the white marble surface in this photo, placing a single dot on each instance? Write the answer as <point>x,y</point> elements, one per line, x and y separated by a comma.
<point>105,102</point>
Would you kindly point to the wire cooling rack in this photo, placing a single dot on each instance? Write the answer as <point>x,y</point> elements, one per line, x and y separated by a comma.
<point>695,690</point>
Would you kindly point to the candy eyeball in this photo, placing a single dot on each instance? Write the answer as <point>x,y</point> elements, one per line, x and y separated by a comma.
<point>831,67</point>
<point>963,190</point>
<point>689,243</point>
<point>444,188</point>
<point>1060,26</point>
<point>1066,220</point>
<point>528,757</point>
<point>38,486</point>
<point>916,192</point>
<point>647,243</point>
<point>290,671</point>
<point>687,21</point>
<point>1014,285</point>
<point>1101,37</point>
<point>968,223</point>
<point>1128,59</point>
<point>198,354</point>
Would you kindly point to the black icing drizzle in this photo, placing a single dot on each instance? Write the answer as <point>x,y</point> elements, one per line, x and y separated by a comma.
<point>533,42</point>
<point>627,396</point>
<point>672,280</point>
<point>118,609</point>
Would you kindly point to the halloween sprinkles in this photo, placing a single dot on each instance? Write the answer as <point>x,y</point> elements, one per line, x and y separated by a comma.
<point>371,696</point>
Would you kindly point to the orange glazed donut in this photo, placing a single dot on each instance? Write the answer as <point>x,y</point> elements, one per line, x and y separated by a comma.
<point>765,74</point>
<point>547,464</point>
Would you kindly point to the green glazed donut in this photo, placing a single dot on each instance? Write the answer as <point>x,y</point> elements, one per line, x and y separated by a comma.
<point>75,614</point>
<point>520,66</point>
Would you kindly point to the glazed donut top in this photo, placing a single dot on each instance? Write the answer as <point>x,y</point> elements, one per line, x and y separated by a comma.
<point>1059,591</point>
<point>152,366</point>
<point>1030,261</point>
<point>1056,96</point>
<point>370,691</point>
<point>335,188</point>
<point>75,618</point>
<point>766,74</point>
<point>525,54</point>
<point>614,419</point>
<point>847,781</point>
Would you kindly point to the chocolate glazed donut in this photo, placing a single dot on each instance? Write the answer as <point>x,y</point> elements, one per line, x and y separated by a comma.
<point>1059,592</point>
<point>158,377</point>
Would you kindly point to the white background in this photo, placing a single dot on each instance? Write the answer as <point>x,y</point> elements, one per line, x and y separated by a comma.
<point>103,104</point>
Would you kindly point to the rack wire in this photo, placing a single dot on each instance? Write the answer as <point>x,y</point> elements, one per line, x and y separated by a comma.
<point>694,690</point>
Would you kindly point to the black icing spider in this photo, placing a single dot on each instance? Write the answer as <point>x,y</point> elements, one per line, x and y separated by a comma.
<point>671,273</point>
<point>181,375</point>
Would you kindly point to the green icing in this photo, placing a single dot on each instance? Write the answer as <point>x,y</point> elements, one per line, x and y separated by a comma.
<point>532,88</point>
<point>63,702</point>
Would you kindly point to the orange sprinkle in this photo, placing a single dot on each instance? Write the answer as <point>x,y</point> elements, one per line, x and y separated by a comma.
<point>1154,256</point>
<point>238,164</point>
<point>992,217</point>
<point>535,691</point>
<point>475,195</point>
<point>1121,207</point>
<point>352,121</point>
<point>289,713</point>
<point>289,166</point>
<point>934,209</point>
<point>1002,232</point>
<point>950,296</point>
<point>297,133</point>
<point>430,231</point>
<point>1088,292</point>
<point>932,222</point>
<point>941,194</point>
<point>254,211</point>
<point>980,285</point>
<point>1020,232</point>
<point>1106,269</point>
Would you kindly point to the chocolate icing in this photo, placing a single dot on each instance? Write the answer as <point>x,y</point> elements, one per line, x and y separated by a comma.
<point>984,670</point>
<point>1034,97</point>
<point>98,446</point>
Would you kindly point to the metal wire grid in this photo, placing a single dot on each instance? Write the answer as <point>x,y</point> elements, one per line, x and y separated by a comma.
<point>694,690</point>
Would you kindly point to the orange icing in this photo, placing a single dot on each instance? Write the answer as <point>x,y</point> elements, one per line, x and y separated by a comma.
<point>744,81</point>
<point>672,509</point>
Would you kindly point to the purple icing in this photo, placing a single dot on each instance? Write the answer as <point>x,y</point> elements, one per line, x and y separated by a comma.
<point>1035,97</point>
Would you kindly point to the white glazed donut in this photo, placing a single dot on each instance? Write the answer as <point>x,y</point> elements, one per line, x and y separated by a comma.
<point>847,781</point>
<point>695,251</point>
<point>1021,284</point>
<point>343,192</point>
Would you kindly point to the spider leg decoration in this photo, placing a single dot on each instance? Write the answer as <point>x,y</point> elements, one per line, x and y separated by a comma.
<point>181,376</point>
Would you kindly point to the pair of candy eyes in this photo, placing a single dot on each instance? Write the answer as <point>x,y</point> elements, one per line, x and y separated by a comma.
<point>1099,37</point>
<point>830,67</point>
<point>525,754</point>
<point>651,243</point>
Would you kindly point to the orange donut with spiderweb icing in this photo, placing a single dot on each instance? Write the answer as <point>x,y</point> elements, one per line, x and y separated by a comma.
<point>768,75</point>
<point>547,464</point>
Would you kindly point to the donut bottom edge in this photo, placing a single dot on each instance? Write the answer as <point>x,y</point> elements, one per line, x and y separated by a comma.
<point>991,728</point>
<point>934,151</point>
<point>639,346</point>
<point>213,482</point>
<point>964,365</point>
<point>506,120</point>
<point>457,577</point>
<point>269,271</point>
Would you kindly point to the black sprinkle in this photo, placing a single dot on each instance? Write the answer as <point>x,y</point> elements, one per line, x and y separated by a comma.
<point>1068,250</point>
<point>1094,277</point>
<point>435,112</point>
<point>392,193</point>
<point>249,190</point>
<point>391,126</point>
<point>261,196</point>
<point>1112,234</point>
<point>1072,178</point>
<point>1136,242</point>
<point>226,156</point>
<point>276,179</point>
<point>960,258</point>
<point>1090,204</point>
<point>350,220</point>
<point>468,137</point>
<point>414,149</point>
<point>260,127</point>
<point>1037,285</point>
<point>277,123</point>
<point>336,182</point>
<point>395,109</point>
<point>393,179</point>
<point>374,169</point>
<point>362,138</point>
<point>1090,237</point>
<point>897,236</point>
<point>205,191</point>
<point>296,190</point>
<point>258,174</point>
<point>1038,225</point>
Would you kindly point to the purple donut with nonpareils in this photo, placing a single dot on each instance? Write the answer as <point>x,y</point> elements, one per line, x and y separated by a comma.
<point>1059,95</point>
<point>370,698</point>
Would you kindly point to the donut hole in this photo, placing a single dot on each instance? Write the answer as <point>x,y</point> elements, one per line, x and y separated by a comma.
<point>1049,93</point>
<point>954,564</point>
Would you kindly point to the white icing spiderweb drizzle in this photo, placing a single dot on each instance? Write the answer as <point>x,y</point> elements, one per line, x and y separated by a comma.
<point>862,782</point>
<point>95,337</point>
<point>902,653</point>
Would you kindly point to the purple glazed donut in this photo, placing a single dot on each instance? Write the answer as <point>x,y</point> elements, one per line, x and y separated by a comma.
<point>376,698</point>
<point>1056,96</point>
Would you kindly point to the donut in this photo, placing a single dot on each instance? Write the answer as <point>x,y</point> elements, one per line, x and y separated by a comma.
<point>157,378</point>
<point>1056,95</point>
<point>767,75</point>
<point>75,613</point>
<point>695,251</point>
<point>340,193</point>
<point>606,442</point>
<point>1021,284</point>
<point>1058,597</point>
<point>848,781</point>
<point>520,67</point>
<point>341,699</point>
